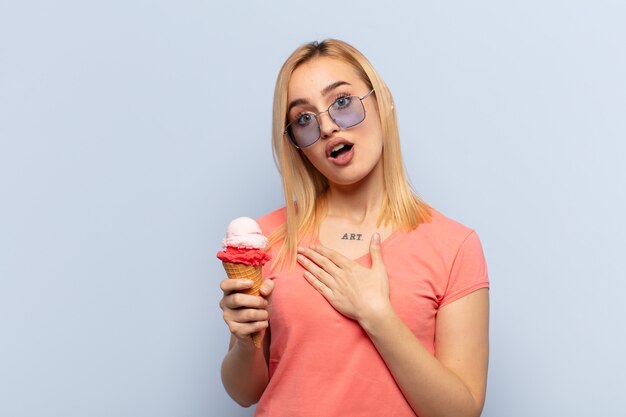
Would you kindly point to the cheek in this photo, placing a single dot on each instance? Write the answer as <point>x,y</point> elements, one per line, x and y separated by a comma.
<point>314,155</point>
<point>374,136</point>
<point>372,125</point>
<point>315,151</point>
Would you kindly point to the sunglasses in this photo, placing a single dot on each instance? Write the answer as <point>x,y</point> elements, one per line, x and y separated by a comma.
<point>346,112</point>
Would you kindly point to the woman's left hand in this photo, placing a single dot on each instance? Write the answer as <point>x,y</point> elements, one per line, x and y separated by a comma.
<point>352,289</point>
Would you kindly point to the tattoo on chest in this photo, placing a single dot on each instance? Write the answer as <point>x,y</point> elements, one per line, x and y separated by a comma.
<point>352,236</point>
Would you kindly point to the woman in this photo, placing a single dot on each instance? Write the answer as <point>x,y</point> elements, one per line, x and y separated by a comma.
<point>375,304</point>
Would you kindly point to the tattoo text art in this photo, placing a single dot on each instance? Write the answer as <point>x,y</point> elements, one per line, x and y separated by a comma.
<point>352,236</point>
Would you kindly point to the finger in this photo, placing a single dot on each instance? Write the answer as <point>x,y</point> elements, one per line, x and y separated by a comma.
<point>337,258</point>
<point>235,284</point>
<point>245,315</point>
<point>243,331</point>
<point>267,287</point>
<point>375,251</point>
<point>319,259</point>
<point>313,268</point>
<point>318,285</point>
<point>239,300</point>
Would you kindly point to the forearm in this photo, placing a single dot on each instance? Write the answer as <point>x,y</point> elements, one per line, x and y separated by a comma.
<point>244,373</point>
<point>431,389</point>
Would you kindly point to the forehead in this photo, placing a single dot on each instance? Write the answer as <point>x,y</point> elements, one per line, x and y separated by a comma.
<point>310,78</point>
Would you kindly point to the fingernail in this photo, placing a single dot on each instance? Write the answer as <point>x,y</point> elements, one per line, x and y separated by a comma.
<point>300,258</point>
<point>300,249</point>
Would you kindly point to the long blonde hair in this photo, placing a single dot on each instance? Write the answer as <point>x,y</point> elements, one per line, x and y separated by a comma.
<point>304,186</point>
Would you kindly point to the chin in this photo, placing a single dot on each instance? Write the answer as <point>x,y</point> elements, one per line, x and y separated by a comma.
<point>352,174</point>
<point>347,180</point>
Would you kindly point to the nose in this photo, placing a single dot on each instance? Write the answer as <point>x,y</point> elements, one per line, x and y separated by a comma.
<point>327,125</point>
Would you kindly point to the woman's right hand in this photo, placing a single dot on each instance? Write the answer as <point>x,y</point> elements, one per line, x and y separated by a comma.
<point>245,314</point>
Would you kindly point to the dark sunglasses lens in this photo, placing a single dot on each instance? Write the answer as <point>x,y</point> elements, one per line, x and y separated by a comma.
<point>347,112</point>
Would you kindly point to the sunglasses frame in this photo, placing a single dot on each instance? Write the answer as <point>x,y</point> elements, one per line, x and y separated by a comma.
<point>293,141</point>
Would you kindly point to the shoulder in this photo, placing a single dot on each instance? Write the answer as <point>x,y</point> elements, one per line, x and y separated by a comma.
<point>453,253</point>
<point>443,236</point>
<point>272,220</point>
<point>443,227</point>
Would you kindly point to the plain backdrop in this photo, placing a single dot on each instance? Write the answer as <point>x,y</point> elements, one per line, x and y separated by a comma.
<point>132,132</point>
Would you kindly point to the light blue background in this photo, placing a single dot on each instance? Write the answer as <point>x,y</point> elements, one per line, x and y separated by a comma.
<point>131,132</point>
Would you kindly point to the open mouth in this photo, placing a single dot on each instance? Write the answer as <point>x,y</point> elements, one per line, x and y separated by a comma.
<point>340,149</point>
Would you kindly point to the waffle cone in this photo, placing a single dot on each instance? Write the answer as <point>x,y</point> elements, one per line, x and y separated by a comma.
<point>243,271</point>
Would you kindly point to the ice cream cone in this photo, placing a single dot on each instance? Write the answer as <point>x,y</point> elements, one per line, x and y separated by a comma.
<point>244,255</point>
<point>243,271</point>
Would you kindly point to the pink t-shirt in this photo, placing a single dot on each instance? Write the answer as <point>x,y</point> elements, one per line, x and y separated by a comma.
<point>323,364</point>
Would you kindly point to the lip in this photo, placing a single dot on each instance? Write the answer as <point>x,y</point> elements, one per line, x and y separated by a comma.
<point>343,159</point>
<point>334,142</point>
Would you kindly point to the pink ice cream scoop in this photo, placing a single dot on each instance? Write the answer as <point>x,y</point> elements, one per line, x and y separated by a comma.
<point>244,243</point>
<point>244,232</point>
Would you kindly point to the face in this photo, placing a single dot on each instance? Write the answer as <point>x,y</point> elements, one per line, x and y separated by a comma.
<point>345,156</point>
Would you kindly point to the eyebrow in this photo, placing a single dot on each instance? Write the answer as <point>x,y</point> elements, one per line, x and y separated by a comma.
<point>325,91</point>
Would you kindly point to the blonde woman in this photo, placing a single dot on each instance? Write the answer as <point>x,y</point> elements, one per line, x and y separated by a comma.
<point>375,304</point>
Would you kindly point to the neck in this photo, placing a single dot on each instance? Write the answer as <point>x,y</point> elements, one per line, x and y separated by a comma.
<point>358,202</point>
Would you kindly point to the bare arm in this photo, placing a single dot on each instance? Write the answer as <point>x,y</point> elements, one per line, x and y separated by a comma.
<point>451,384</point>
<point>244,368</point>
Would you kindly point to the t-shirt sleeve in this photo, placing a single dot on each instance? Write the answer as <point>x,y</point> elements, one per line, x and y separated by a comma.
<point>268,224</point>
<point>468,272</point>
